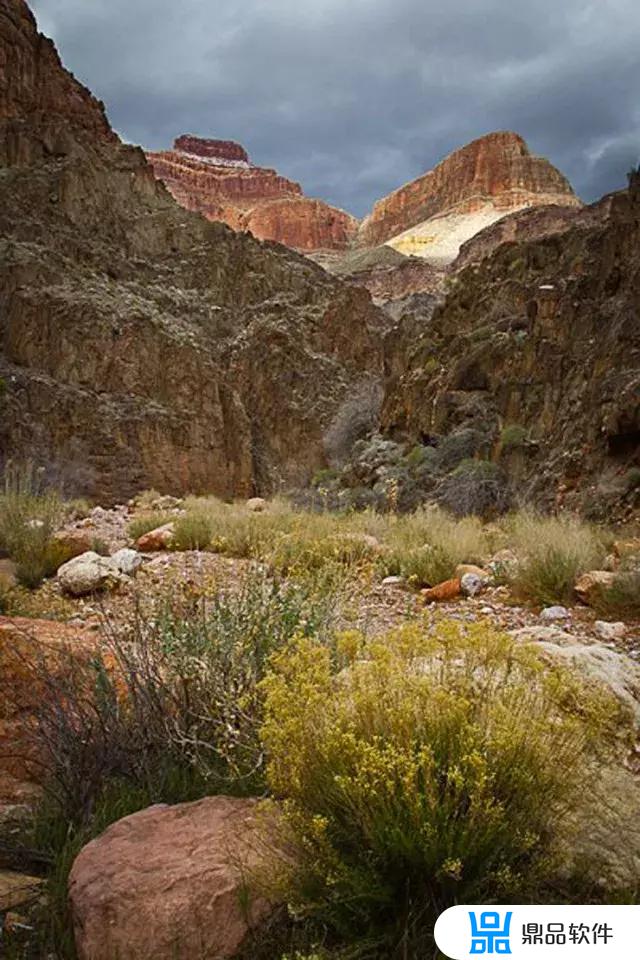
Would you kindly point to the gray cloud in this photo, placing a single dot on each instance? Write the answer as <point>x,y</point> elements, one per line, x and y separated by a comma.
<point>353,99</point>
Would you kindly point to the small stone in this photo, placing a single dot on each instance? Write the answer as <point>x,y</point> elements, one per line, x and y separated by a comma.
<point>550,614</point>
<point>394,583</point>
<point>609,631</point>
<point>158,539</point>
<point>127,560</point>
<point>256,504</point>
<point>472,584</point>
<point>166,503</point>
<point>17,889</point>
<point>590,584</point>
<point>627,548</point>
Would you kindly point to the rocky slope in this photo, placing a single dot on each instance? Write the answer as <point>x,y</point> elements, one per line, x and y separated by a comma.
<point>133,334</point>
<point>533,359</point>
<point>471,188</point>
<point>215,178</point>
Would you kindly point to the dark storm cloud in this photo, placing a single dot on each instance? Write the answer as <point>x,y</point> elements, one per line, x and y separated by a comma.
<point>355,98</point>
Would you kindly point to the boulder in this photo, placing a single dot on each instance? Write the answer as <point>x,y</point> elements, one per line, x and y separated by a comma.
<point>73,543</point>
<point>609,631</point>
<point>472,584</point>
<point>127,561</point>
<point>17,889</point>
<point>609,821</point>
<point>33,653</point>
<point>596,662</point>
<point>158,539</point>
<point>256,504</point>
<point>89,573</point>
<point>174,882</point>
<point>590,584</point>
<point>447,590</point>
<point>504,563</point>
<point>551,614</point>
<point>627,548</point>
<point>394,583</point>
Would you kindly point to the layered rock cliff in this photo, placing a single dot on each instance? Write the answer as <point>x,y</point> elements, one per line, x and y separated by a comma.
<point>141,345</point>
<point>474,186</point>
<point>215,178</point>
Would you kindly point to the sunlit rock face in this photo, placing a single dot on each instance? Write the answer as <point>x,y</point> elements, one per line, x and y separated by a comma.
<point>216,179</point>
<point>435,214</point>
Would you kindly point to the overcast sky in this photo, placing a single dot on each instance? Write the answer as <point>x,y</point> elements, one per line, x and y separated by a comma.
<point>355,97</point>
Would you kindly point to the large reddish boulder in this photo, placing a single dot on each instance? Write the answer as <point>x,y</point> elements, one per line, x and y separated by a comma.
<point>174,883</point>
<point>32,654</point>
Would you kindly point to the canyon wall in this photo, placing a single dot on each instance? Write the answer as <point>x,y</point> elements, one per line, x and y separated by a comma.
<point>140,345</point>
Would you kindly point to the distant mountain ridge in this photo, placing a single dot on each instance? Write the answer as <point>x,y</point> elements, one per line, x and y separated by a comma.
<point>430,217</point>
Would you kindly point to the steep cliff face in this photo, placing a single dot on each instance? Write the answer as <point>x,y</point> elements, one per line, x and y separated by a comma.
<point>490,177</point>
<point>537,351</point>
<point>215,178</point>
<point>141,345</point>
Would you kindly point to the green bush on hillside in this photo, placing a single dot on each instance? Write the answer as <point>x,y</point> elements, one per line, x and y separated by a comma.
<point>30,514</point>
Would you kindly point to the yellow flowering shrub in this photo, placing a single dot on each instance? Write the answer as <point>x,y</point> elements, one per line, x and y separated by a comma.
<point>424,767</point>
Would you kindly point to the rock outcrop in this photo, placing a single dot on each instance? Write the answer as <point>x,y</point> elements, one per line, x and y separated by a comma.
<point>140,345</point>
<point>170,882</point>
<point>478,184</point>
<point>539,342</point>
<point>216,179</point>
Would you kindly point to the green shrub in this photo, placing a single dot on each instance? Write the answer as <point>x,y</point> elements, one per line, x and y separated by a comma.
<point>146,522</point>
<point>100,546</point>
<point>553,552</point>
<point>633,478</point>
<point>413,787</point>
<point>622,598</point>
<point>416,456</point>
<point>193,531</point>
<point>30,513</point>
<point>476,487</point>
<point>322,477</point>
<point>427,545</point>
<point>513,436</point>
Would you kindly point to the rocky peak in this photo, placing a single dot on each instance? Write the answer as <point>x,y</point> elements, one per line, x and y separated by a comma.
<point>470,189</point>
<point>216,179</point>
<point>224,150</point>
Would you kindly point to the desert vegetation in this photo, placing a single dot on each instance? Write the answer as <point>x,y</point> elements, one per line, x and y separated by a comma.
<point>434,760</point>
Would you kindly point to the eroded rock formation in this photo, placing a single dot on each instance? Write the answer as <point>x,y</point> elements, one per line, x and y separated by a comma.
<point>140,345</point>
<point>470,189</point>
<point>540,341</point>
<point>215,178</point>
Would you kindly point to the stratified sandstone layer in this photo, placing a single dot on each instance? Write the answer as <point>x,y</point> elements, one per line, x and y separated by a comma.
<point>215,178</point>
<point>492,176</point>
<point>140,345</point>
